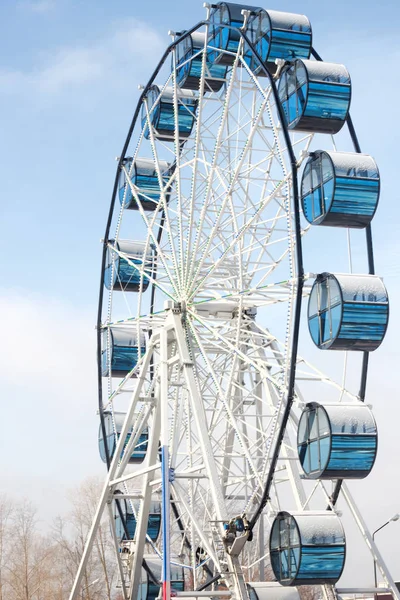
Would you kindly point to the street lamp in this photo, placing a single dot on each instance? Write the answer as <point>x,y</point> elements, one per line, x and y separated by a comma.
<point>98,579</point>
<point>395,517</point>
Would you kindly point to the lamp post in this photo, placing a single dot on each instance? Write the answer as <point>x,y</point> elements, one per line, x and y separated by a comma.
<point>90,585</point>
<point>395,517</point>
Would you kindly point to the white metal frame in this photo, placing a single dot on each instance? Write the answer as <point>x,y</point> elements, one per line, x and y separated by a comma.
<point>212,384</point>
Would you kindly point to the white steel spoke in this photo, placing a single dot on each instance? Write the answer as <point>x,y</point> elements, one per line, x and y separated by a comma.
<point>210,365</point>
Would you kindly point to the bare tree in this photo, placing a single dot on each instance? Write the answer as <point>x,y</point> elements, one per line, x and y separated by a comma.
<point>29,565</point>
<point>34,566</point>
<point>70,535</point>
<point>6,510</point>
<point>310,592</point>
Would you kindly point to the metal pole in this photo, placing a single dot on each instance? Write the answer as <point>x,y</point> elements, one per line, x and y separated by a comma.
<point>375,573</point>
<point>370,541</point>
<point>165,506</point>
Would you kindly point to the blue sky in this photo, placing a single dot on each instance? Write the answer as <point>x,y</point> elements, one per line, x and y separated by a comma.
<point>69,72</point>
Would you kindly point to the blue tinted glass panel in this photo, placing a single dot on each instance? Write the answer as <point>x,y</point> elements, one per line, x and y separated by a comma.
<point>142,593</point>
<point>140,450</point>
<point>282,87</point>
<point>233,37</point>
<point>128,195</point>
<point>317,203</point>
<point>363,321</point>
<point>304,457</point>
<point>327,101</point>
<point>153,527</point>
<point>131,525</point>
<point>323,423</point>
<point>294,561</point>
<point>313,304</point>
<point>336,316</point>
<point>119,530</point>
<point>112,444</point>
<point>104,363</point>
<point>334,292</point>
<point>353,452</point>
<point>324,562</point>
<point>217,71</point>
<point>302,430</point>
<point>219,39</point>
<point>275,537</point>
<point>153,591</point>
<point>124,359</point>
<point>292,107</point>
<point>166,121</point>
<point>306,184</point>
<point>194,69</point>
<point>178,585</point>
<point>324,299</point>
<point>324,448</point>
<point>289,45</point>
<point>284,529</point>
<point>314,329</point>
<point>102,450</point>
<point>314,456</point>
<point>355,196</point>
<point>327,168</point>
<point>149,186</point>
<point>285,567</point>
<point>262,47</point>
<point>153,116</point>
<point>128,273</point>
<point>275,563</point>
<point>183,72</point>
<point>108,274</point>
<point>301,75</point>
<point>294,534</point>
<point>325,327</point>
<point>285,106</point>
<point>312,425</point>
<point>301,99</point>
<point>328,194</point>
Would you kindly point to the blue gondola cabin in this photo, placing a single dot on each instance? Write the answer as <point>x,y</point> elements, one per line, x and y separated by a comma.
<point>124,508</point>
<point>148,589</point>
<point>307,548</point>
<point>337,441</point>
<point>159,110</point>
<point>223,33</point>
<point>131,272</point>
<point>121,350</point>
<point>315,96</point>
<point>189,65</point>
<point>348,312</point>
<point>278,35</point>
<point>340,189</point>
<point>112,436</point>
<point>145,178</point>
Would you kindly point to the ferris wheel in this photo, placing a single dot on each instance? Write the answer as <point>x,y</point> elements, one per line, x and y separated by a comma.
<point>227,424</point>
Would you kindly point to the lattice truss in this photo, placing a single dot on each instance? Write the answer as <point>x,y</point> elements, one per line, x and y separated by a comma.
<point>212,378</point>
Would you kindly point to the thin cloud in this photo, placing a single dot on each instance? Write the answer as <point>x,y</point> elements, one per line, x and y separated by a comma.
<point>49,395</point>
<point>42,345</point>
<point>130,48</point>
<point>39,6</point>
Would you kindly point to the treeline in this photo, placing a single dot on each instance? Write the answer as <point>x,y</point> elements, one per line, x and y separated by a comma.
<point>37,566</point>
